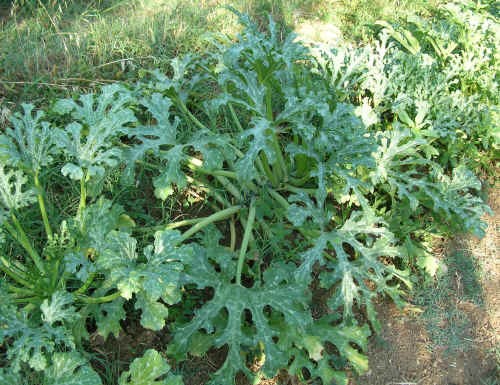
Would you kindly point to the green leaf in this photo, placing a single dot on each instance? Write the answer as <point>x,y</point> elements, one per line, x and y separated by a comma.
<point>278,293</point>
<point>261,142</point>
<point>298,214</point>
<point>58,309</point>
<point>29,143</point>
<point>153,313</point>
<point>369,240</point>
<point>73,171</point>
<point>13,194</point>
<point>109,316</point>
<point>90,140</point>
<point>149,138</point>
<point>456,200</point>
<point>450,199</point>
<point>93,225</point>
<point>173,174</point>
<point>397,150</point>
<point>311,350</point>
<point>147,370</point>
<point>154,279</point>
<point>30,340</point>
<point>70,369</point>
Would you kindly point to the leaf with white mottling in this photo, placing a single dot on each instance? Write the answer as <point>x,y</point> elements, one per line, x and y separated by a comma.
<point>70,369</point>
<point>147,370</point>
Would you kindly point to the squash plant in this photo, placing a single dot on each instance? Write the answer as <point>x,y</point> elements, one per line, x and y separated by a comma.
<point>306,185</point>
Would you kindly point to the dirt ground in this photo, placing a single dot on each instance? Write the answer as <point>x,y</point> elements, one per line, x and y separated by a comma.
<point>405,354</point>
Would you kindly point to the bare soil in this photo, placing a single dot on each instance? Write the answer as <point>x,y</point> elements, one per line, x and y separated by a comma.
<point>405,354</point>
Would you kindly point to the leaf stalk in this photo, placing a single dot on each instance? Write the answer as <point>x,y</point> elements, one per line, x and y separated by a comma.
<point>21,237</point>
<point>246,239</point>
<point>41,203</point>
<point>221,215</point>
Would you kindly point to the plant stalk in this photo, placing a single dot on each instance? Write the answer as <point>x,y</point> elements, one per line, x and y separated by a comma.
<point>221,215</point>
<point>232,230</point>
<point>246,239</point>
<point>235,118</point>
<point>43,211</point>
<point>196,164</point>
<point>83,195</point>
<point>20,236</point>
<point>281,167</point>
<point>5,267</point>
<point>279,198</point>
<point>86,284</point>
<point>267,170</point>
<point>19,290</point>
<point>194,119</point>
<point>229,186</point>
<point>95,300</point>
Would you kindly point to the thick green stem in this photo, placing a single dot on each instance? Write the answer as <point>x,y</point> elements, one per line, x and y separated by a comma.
<point>19,290</point>
<point>235,118</point>
<point>267,170</point>
<point>19,234</point>
<point>299,181</point>
<point>173,225</point>
<point>5,266</point>
<point>86,284</point>
<point>185,110</point>
<point>94,300</point>
<point>246,239</point>
<point>237,151</point>
<point>24,300</point>
<point>280,169</point>
<point>229,187</point>
<point>279,198</point>
<point>232,230</point>
<point>41,203</point>
<point>281,160</point>
<point>298,190</point>
<point>83,194</point>
<point>221,215</point>
<point>196,164</point>
<point>185,222</point>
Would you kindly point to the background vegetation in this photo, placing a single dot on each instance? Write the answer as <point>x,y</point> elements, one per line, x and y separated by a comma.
<point>50,48</point>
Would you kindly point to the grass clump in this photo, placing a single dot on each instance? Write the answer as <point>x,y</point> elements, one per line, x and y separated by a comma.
<point>448,324</point>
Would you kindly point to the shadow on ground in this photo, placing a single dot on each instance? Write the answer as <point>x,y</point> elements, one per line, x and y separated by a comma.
<point>455,340</point>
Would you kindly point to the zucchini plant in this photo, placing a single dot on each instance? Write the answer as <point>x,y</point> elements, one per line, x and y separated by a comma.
<point>310,177</point>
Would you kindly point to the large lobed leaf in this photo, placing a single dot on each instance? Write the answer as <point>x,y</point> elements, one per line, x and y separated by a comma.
<point>13,194</point>
<point>28,144</point>
<point>147,370</point>
<point>34,341</point>
<point>90,139</point>
<point>276,295</point>
<point>153,278</point>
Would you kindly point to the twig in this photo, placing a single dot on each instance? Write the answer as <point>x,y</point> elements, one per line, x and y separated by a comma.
<point>35,83</point>
<point>126,59</point>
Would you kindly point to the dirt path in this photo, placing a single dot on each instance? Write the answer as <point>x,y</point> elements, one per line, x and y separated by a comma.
<point>455,341</point>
